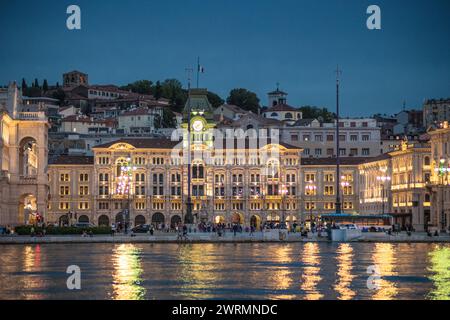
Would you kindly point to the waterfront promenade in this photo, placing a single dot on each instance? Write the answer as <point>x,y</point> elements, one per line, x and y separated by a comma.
<point>200,237</point>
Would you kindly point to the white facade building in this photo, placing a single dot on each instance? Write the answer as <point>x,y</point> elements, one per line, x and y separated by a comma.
<point>358,138</point>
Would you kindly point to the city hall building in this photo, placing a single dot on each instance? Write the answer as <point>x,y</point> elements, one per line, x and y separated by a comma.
<point>247,177</point>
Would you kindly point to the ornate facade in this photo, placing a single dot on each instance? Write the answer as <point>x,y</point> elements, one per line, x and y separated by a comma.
<point>23,161</point>
<point>236,189</point>
<point>397,183</point>
<point>411,171</point>
<point>440,179</point>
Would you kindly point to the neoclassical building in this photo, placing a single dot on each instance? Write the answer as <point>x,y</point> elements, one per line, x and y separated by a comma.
<point>398,183</point>
<point>23,160</point>
<point>235,190</point>
<point>440,179</point>
<point>243,176</point>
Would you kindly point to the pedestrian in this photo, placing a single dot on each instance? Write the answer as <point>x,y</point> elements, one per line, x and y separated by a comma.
<point>32,231</point>
<point>185,232</point>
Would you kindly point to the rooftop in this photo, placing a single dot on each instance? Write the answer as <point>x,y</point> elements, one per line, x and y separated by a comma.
<point>282,107</point>
<point>332,161</point>
<point>72,160</point>
<point>142,143</point>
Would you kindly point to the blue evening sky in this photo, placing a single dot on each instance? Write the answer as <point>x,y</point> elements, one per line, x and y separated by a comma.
<point>242,43</point>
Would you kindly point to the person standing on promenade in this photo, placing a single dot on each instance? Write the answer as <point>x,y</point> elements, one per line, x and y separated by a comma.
<point>185,232</point>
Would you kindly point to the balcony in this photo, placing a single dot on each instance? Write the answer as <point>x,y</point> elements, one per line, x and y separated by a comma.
<point>28,180</point>
<point>31,116</point>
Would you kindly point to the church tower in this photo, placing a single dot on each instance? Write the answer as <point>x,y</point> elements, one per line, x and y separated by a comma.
<point>277,97</point>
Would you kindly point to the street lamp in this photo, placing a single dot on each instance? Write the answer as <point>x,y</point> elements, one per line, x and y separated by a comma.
<point>383,179</point>
<point>124,188</point>
<point>442,171</point>
<point>283,192</point>
<point>311,190</point>
<point>344,184</point>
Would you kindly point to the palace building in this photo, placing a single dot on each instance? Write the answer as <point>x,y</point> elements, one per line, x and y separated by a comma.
<point>23,160</point>
<point>243,177</point>
<point>439,186</point>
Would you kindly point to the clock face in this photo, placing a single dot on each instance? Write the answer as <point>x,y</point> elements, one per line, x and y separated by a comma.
<point>197,125</point>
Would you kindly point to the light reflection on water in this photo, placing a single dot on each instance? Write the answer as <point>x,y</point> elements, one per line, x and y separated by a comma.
<point>213,271</point>
<point>440,268</point>
<point>344,272</point>
<point>311,271</point>
<point>127,273</point>
<point>384,257</point>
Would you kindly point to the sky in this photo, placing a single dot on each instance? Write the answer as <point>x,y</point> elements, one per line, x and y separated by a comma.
<point>250,44</point>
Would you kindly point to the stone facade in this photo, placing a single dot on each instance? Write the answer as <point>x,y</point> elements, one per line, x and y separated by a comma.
<point>440,179</point>
<point>23,163</point>
<point>411,172</point>
<point>237,190</point>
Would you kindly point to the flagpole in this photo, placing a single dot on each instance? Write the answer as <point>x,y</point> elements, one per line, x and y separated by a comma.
<point>198,70</point>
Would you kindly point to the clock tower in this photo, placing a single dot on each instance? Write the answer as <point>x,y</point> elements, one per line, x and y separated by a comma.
<point>198,114</point>
<point>198,131</point>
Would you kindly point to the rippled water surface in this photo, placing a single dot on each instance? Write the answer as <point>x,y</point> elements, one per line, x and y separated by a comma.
<point>227,271</point>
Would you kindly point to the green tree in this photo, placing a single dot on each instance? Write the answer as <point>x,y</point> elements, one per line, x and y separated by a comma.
<point>24,85</point>
<point>45,86</point>
<point>157,90</point>
<point>140,86</point>
<point>215,99</point>
<point>24,88</point>
<point>168,119</point>
<point>172,89</point>
<point>60,95</point>
<point>322,114</point>
<point>36,83</point>
<point>33,92</point>
<point>244,99</point>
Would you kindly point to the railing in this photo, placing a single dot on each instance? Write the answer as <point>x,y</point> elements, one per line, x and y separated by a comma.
<point>31,116</point>
<point>28,180</point>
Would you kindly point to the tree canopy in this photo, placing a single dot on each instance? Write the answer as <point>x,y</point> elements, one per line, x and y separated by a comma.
<point>215,99</point>
<point>140,86</point>
<point>171,89</point>
<point>244,99</point>
<point>168,120</point>
<point>322,114</point>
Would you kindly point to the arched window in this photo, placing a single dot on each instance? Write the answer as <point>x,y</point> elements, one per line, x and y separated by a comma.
<point>119,164</point>
<point>28,158</point>
<point>139,220</point>
<point>426,161</point>
<point>103,220</point>
<point>157,218</point>
<point>274,114</point>
<point>273,169</point>
<point>83,219</point>
<point>198,171</point>
<point>288,115</point>
<point>174,221</point>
